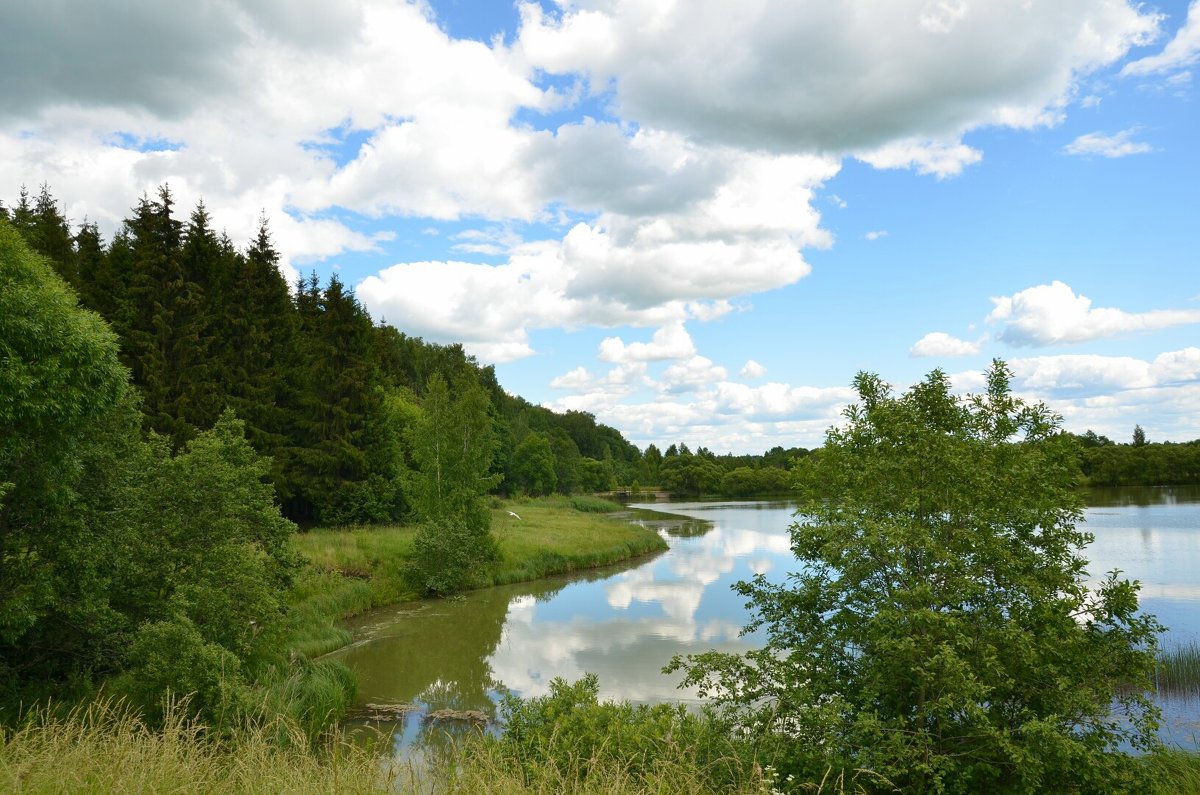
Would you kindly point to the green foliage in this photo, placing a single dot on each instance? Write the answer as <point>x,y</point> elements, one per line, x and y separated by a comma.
<point>533,465</point>
<point>1148,464</point>
<point>447,552</point>
<point>689,475</point>
<point>1178,670</point>
<point>65,414</point>
<point>315,695</point>
<point>575,735</point>
<point>939,632</point>
<point>744,482</point>
<point>172,658</point>
<point>453,443</point>
<point>208,541</point>
<point>106,748</point>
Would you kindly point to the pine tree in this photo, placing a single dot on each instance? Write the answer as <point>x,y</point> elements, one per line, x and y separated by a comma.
<point>156,285</point>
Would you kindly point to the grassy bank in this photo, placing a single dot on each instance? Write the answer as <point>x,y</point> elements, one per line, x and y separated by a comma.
<point>354,570</point>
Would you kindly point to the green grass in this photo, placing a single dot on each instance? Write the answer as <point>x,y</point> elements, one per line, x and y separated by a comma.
<point>1175,772</point>
<point>1178,671</point>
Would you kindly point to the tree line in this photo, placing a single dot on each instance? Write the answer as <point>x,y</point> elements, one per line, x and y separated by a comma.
<point>1139,462</point>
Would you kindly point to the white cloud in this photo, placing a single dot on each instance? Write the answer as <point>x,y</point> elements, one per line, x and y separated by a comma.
<point>1109,394</point>
<point>1182,51</point>
<point>752,370</point>
<point>745,237</point>
<point>808,76</point>
<point>668,342</point>
<point>1050,314</point>
<point>876,234</point>
<point>939,343</point>
<point>693,373</point>
<point>939,158</point>
<point>1116,145</point>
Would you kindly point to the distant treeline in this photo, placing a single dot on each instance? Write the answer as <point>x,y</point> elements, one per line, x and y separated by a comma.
<point>322,389</point>
<point>1104,462</point>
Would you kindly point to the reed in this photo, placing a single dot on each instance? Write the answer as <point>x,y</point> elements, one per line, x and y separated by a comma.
<point>1178,670</point>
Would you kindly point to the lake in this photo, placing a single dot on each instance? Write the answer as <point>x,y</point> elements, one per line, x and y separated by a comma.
<point>624,623</point>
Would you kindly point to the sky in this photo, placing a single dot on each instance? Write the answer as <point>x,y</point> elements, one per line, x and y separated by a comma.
<point>695,220</point>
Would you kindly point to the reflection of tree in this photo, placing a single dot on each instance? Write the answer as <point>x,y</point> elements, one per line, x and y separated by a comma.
<point>1140,496</point>
<point>675,525</point>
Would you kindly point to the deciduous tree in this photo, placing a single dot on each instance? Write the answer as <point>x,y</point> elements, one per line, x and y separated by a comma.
<point>939,630</point>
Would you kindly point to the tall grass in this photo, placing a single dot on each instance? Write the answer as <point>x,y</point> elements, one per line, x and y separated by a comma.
<point>1174,772</point>
<point>1178,670</point>
<point>582,503</point>
<point>103,748</point>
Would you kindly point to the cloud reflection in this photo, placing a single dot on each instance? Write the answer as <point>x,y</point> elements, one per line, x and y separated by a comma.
<point>690,586</point>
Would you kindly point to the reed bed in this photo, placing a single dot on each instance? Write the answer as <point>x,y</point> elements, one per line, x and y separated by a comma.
<point>1178,670</point>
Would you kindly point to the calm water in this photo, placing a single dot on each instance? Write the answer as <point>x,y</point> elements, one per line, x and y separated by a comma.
<point>624,623</point>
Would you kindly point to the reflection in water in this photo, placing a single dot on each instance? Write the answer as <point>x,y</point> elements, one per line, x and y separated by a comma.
<point>624,623</point>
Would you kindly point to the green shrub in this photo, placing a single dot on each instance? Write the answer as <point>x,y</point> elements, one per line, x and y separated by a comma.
<point>573,734</point>
<point>171,659</point>
<point>446,552</point>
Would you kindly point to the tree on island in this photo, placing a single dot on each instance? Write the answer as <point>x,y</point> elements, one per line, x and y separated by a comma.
<point>939,634</point>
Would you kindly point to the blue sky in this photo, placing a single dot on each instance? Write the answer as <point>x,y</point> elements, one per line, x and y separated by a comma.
<point>697,221</point>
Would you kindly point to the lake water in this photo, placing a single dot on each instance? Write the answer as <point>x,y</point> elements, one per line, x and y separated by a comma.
<point>624,623</point>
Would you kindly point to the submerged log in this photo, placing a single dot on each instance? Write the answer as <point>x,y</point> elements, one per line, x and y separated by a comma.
<point>464,715</point>
<point>387,711</point>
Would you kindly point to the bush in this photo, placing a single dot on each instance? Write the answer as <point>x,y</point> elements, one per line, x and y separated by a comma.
<point>171,659</point>
<point>568,735</point>
<point>447,552</point>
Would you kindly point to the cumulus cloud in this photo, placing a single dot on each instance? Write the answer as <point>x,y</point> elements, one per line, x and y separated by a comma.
<point>752,370</point>
<point>1108,394</point>
<point>939,343</point>
<point>746,236</point>
<point>1181,52</point>
<point>834,76</point>
<point>1050,314</point>
<point>693,373</point>
<point>669,342</point>
<point>1112,146</point>
<point>1094,373</point>
<point>939,158</point>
